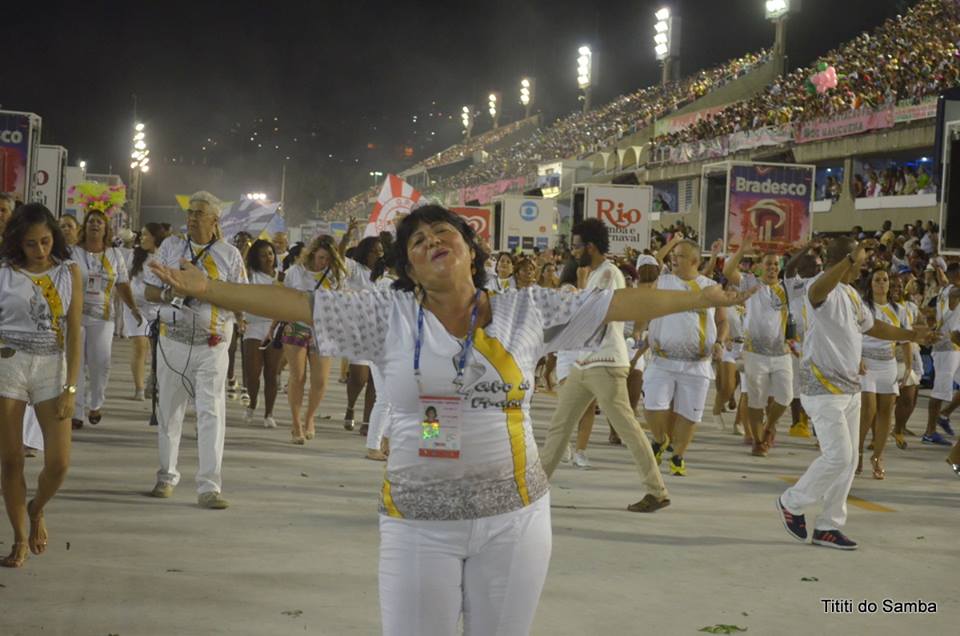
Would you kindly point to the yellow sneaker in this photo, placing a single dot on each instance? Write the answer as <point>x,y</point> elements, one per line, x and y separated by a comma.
<point>800,429</point>
<point>678,467</point>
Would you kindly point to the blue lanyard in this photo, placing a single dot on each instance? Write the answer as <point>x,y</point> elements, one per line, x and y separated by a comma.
<point>467,344</point>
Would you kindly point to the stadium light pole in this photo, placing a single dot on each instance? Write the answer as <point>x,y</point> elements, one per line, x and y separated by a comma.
<point>466,117</point>
<point>493,107</point>
<point>376,174</point>
<point>666,43</point>
<point>585,74</point>
<point>777,11</point>
<point>526,95</point>
<point>139,165</point>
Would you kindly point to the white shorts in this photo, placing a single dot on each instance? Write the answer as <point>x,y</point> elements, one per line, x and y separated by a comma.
<point>733,354</point>
<point>130,326</point>
<point>31,378</point>
<point>768,377</point>
<point>881,377</point>
<point>257,330</point>
<point>945,367</point>
<point>684,394</point>
<point>911,379</point>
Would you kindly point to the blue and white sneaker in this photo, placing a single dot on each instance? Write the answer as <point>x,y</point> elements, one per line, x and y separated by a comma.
<point>833,539</point>
<point>795,525</point>
<point>944,423</point>
<point>936,438</point>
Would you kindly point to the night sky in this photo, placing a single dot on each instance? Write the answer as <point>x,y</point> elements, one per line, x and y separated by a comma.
<point>342,76</point>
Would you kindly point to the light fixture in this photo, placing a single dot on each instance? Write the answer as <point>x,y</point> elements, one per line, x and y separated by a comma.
<point>584,66</point>
<point>138,128</point>
<point>83,164</point>
<point>663,14</point>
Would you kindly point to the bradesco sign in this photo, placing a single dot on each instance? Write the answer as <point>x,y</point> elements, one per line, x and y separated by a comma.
<point>770,203</point>
<point>625,210</point>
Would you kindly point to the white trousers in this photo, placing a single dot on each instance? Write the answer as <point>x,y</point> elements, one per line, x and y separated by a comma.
<point>836,419</point>
<point>381,413</point>
<point>97,336</point>
<point>182,369</point>
<point>490,570</point>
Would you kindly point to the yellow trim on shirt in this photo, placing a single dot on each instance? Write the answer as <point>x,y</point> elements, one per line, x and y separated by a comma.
<point>111,275</point>
<point>391,507</point>
<point>510,373</point>
<point>52,296</point>
<point>210,265</point>
<point>782,295</point>
<point>702,325</point>
<point>827,384</point>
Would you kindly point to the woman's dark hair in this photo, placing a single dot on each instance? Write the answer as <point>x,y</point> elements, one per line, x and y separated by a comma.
<point>140,255</point>
<point>383,264</point>
<point>23,218</point>
<point>593,231</point>
<point>292,254</point>
<point>868,289</point>
<point>364,248</point>
<point>253,254</point>
<point>568,275</point>
<point>429,215</point>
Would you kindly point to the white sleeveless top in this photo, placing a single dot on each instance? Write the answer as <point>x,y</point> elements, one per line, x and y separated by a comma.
<point>33,315</point>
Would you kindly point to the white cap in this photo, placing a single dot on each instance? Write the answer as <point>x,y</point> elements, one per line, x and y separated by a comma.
<point>209,199</point>
<point>646,259</point>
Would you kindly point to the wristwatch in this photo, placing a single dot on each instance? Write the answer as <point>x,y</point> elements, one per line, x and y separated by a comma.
<point>70,388</point>
<point>166,295</point>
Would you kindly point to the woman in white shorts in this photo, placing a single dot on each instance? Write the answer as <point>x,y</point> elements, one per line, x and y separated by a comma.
<point>909,390</point>
<point>321,267</point>
<point>879,385</point>
<point>260,356</point>
<point>40,344</point>
<point>465,532</point>
<point>730,361</point>
<point>151,236</point>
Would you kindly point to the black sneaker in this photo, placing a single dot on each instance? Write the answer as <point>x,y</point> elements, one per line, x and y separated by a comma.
<point>795,525</point>
<point>833,539</point>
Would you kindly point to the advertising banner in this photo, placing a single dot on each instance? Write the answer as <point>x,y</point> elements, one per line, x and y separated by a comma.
<point>478,219</point>
<point>625,210</point>
<point>527,222</point>
<point>907,110</point>
<point>485,192</point>
<point>397,197</point>
<point>19,133</point>
<point>771,203</point>
<point>852,123</point>
<point>73,176</point>
<point>49,177</point>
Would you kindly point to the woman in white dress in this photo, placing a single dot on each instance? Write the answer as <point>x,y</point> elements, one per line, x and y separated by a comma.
<point>40,345</point>
<point>260,356</point>
<point>151,236</point>
<point>360,266</point>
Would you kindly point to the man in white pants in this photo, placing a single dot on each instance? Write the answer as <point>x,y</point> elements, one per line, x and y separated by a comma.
<point>766,358</point>
<point>678,376</point>
<point>601,375</point>
<point>192,351</point>
<point>830,392</point>
<point>946,358</point>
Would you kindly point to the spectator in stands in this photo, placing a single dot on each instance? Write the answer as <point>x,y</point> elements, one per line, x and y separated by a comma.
<point>859,189</point>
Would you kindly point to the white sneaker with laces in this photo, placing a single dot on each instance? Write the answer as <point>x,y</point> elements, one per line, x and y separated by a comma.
<point>580,461</point>
<point>269,422</point>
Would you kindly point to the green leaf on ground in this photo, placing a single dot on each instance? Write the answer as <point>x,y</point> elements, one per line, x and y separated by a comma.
<point>723,629</point>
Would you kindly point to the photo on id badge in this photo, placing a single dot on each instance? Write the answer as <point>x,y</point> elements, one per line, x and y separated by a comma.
<point>440,427</point>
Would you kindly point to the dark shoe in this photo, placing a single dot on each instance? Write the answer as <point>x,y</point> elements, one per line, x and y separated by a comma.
<point>833,539</point>
<point>936,438</point>
<point>94,417</point>
<point>944,423</point>
<point>76,424</point>
<point>955,467</point>
<point>795,525</point>
<point>649,503</point>
<point>364,428</point>
<point>614,439</point>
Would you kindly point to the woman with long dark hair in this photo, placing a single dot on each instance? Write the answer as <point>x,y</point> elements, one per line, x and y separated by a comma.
<point>360,264</point>
<point>260,357</point>
<point>103,270</point>
<point>151,236</point>
<point>40,351</point>
<point>465,506</point>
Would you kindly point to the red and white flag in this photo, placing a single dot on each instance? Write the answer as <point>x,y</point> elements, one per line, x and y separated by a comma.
<point>396,197</point>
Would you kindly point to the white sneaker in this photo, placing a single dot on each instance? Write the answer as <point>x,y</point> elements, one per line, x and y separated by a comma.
<point>139,395</point>
<point>580,461</point>
<point>244,397</point>
<point>247,416</point>
<point>269,422</point>
<point>567,454</point>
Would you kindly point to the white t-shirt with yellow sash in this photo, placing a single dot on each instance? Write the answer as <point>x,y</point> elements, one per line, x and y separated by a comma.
<point>100,273</point>
<point>33,315</point>
<point>683,342</point>
<point>895,315</point>
<point>765,326</point>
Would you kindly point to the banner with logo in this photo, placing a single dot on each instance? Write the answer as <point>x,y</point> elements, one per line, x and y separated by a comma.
<point>477,218</point>
<point>907,110</point>
<point>625,210</point>
<point>485,192</point>
<point>527,223</point>
<point>397,197</point>
<point>771,203</point>
<point>852,123</point>
<point>19,133</point>
<point>679,122</point>
<point>49,178</point>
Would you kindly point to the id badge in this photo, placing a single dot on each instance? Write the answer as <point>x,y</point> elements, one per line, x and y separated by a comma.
<point>94,284</point>
<point>441,420</point>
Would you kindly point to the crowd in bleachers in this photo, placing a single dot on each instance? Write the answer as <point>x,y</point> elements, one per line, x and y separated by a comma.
<point>907,57</point>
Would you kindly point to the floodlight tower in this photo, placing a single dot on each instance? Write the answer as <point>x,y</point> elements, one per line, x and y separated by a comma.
<point>666,43</point>
<point>466,117</point>
<point>526,95</point>
<point>777,12</point>
<point>493,107</point>
<point>139,165</point>
<point>585,74</point>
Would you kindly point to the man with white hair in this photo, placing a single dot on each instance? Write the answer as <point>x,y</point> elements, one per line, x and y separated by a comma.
<point>192,351</point>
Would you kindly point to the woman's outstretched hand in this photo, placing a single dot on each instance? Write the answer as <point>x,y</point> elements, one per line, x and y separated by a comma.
<point>715,296</point>
<point>188,281</point>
